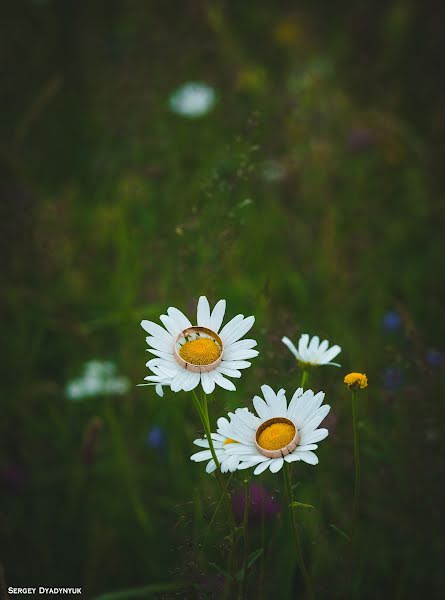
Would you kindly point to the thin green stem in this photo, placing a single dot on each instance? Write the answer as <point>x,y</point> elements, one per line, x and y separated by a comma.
<point>304,378</point>
<point>356,453</point>
<point>246,538</point>
<point>300,557</point>
<point>215,512</point>
<point>203,411</point>
<point>204,415</point>
<point>224,489</point>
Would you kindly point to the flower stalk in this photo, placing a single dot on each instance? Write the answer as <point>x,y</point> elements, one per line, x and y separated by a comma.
<point>356,452</point>
<point>304,378</point>
<point>300,557</point>
<point>246,538</point>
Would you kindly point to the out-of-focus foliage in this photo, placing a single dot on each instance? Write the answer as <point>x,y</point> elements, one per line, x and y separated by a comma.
<point>309,195</point>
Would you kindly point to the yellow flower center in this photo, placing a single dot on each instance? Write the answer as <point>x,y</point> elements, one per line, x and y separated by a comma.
<point>230,441</point>
<point>202,351</point>
<point>356,380</point>
<point>276,436</point>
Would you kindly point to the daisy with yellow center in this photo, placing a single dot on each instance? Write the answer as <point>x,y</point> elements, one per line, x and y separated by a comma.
<point>220,441</point>
<point>356,381</point>
<point>188,355</point>
<point>281,433</point>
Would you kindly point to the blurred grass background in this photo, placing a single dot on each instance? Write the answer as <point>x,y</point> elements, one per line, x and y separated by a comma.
<point>310,196</point>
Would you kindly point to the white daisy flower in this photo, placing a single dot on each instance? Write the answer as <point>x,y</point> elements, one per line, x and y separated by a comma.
<point>313,353</point>
<point>281,432</point>
<point>187,355</point>
<point>221,439</point>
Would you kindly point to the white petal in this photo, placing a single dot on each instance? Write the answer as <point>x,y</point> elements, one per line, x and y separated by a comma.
<point>331,353</point>
<point>211,466</point>
<point>314,343</point>
<point>286,341</point>
<point>269,396</point>
<point>276,465</point>
<point>179,318</point>
<point>208,382</point>
<point>248,418</point>
<point>315,419</point>
<point>202,443</point>
<point>302,345</point>
<point>201,455</point>
<point>323,346</point>
<point>159,390</point>
<point>238,332</point>
<point>203,312</point>
<point>251,461</point>
<point>217,316</point>
<point>309,408</point>
<point>242,354</point>
<point>171,325</point>
<point>314,436</point>
<point>235,364</point>
<point>229,372</point>
<point>293,403</point>
<point>191,382</point>
<point>262,467</point>
<point>261,407</point>
<point>179,380</point>
<point>246,344</point>
<point>301,407</point>
<point>223,382</point>
<point>309,457</point>
<point>241,433</point>
<point>161,344</point>
<point>165,355</point>
<point>232,463</point>
<point>291,457</point>
<point>230,327</point>
<point>281,404</point>
<point>156,331</point>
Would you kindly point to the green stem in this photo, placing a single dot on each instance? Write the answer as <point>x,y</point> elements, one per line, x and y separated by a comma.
<point>246,537</point>
<point>215,512</point>
<point>203,412</point>
<point>206,422</point>
<point>300,558</point>
<point>204,416</point>
<point>304,378</point>
<point>356,453</point>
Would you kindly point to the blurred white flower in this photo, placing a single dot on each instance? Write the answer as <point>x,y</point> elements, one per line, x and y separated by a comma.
<point>98,377</point>
<point>193,99</point>
<point>312,352</point>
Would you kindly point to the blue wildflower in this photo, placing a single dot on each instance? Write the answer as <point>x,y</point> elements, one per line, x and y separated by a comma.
<point>391,321</point>
<point>156,437</point>
<point>434,357</point>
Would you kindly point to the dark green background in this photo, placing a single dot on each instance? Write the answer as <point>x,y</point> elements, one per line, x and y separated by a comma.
<point>114,208</point>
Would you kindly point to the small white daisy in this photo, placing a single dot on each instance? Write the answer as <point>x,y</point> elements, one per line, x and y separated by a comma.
<point>221,439</point>
<point>280,432</point>
<point>313,353</point>
<point>187,355</point>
